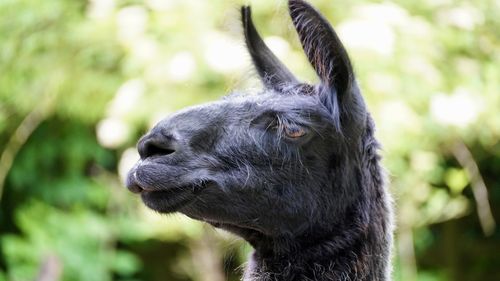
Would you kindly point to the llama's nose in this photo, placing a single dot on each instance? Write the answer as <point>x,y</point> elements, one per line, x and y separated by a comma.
<point>156,145</point>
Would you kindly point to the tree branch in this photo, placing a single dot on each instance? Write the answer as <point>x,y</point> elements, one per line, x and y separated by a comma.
<point>479,190</point>
<point>20,136</point>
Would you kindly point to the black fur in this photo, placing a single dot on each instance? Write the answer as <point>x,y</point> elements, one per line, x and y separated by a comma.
<point>294,170</point>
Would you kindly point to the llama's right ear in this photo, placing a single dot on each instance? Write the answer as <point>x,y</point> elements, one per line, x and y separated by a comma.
<point>271,70</point>
<point>338,89</point>
<point>322,46</point>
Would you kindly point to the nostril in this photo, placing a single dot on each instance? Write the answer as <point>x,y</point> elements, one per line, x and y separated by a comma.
<point>153,149</point>
<point>149,147</point>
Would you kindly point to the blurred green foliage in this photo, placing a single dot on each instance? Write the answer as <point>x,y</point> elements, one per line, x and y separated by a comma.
<point>80,81</point>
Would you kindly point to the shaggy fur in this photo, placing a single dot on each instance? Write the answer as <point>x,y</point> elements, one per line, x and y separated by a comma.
<point>294,171</point>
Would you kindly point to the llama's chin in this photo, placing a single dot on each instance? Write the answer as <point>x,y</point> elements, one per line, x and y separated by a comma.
<point>248,233</point>
<point>168,201</point>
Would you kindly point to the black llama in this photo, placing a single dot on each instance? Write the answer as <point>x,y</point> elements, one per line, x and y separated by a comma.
<point>294,170</point>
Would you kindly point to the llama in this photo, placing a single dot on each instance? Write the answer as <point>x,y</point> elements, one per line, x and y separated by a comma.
<point>293,170</point>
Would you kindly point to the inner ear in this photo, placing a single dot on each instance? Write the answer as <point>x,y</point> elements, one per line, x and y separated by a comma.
<point>322,46</point>
<point>338,90</point>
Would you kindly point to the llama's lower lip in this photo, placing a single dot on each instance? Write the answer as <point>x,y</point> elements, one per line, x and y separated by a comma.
<point>172,199</point>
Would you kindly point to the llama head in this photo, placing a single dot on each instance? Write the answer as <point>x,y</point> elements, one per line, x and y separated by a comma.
<point>277,164</point>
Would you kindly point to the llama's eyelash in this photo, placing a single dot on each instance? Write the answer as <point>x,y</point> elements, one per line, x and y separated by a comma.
<point>289,129</point>
<point>273,125</point>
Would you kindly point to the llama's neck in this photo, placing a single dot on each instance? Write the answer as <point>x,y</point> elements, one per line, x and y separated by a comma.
<point>355,254</point>
<point>357,248</point>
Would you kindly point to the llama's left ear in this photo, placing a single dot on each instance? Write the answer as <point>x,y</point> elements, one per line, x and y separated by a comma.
<point>338,88</point>
<point>272,72</point>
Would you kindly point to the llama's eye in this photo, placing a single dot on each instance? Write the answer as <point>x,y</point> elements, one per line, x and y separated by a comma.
<point>294,132</point>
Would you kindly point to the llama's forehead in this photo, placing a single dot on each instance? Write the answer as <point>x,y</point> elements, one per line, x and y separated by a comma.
<point>235,110</point>
<point>239,106</point>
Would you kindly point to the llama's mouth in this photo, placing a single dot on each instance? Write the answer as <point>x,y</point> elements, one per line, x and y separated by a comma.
<point>163,197</point>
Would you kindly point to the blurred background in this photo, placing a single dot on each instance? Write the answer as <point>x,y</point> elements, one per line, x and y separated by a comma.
<point>81,81</point>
